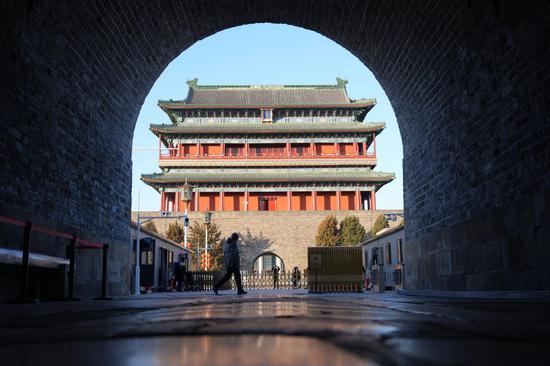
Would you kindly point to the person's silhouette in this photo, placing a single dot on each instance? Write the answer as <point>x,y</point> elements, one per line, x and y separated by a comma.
<point>276,270</point>
<point>232,263</point>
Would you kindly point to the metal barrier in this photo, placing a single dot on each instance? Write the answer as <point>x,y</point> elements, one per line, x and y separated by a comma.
<point>205,280</point>
<point>265,280</point>
<point>335,269</point>
<point>75,243</point>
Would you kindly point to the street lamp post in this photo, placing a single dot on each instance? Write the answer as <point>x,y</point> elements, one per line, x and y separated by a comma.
<point>207,220</point>
<point>187,195</point>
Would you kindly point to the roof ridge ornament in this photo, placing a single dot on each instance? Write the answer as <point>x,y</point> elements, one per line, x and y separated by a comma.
<point>341,83</point>
<point>193,83</point>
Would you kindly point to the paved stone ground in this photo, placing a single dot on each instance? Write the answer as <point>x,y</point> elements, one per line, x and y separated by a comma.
<point>275,327</point>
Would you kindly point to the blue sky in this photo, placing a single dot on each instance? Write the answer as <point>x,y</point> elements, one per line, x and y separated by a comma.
<point>262,54</point>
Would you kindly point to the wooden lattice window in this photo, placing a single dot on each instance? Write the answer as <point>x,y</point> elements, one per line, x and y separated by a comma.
<point>267,115</point>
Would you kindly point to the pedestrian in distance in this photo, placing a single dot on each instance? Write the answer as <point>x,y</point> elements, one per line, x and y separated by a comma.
<point>179,274</point>
<point>296,277</point>
<point>276,270</point>
<point>232,263</point>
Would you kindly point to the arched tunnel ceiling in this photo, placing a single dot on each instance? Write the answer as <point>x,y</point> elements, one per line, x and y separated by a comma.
<point>468,82</point>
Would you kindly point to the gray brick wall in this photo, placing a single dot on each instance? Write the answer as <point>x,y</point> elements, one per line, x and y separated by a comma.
<point>468,81</point>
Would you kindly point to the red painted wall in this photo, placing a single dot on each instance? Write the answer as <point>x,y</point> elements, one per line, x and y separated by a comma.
<point>348,201</point>
<point>209,201</point>
<point>300,201</point>
<point>325,148</point>
<point>326,201</point>
<point>233,201</point>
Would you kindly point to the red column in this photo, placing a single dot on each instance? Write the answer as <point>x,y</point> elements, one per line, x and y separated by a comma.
<point>246,149</point>
<point>221,201</point>
<point>246,199</point>
<point>356,148</point>
<point>198,149</point>
<point>177,203</point>
<point>311,149</point>
<point>197,200</point>
<point>162,201</point>
<point>365,148</point>
<point>289,199</point>
<point>314,199</point>
<point>336,149</point>
<point>357,200</point>
<point>223,148</point>
<point>374,199</point>
<point>374,143</point>
<point>288,148</point>
<point>338,199</point>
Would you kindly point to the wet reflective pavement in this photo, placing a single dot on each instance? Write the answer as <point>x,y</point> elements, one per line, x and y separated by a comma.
<point>275,327</point>
<point>192,350</point>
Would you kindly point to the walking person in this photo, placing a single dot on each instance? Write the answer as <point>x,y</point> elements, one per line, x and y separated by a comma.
<point>276,270</point>
<point>232,263</point>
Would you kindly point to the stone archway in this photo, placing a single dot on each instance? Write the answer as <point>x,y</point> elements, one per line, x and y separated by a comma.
<point>467,82</point>
<point>266,262</point>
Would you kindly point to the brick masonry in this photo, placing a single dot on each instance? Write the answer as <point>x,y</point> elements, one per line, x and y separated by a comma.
<point>468,81</point>
<point>287,234</point>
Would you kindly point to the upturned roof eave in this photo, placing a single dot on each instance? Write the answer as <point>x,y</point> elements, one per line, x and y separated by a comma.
<point>269,128</point>
<point>171,105</point>
<point>167,111</point>
<point>278,177</point>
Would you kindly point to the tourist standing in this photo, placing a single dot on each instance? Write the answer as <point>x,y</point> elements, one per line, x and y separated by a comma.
<point>179,274</point>
<point>276,270</point>
<point>296,277</point>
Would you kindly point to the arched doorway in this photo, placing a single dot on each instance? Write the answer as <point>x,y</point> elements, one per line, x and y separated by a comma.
<point>265,262</point>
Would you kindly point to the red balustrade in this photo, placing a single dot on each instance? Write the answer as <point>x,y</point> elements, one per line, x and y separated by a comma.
<point>255,155</point>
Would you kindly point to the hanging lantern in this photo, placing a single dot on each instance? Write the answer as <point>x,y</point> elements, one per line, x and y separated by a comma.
<point>186,192</point>
<point>207,217</point>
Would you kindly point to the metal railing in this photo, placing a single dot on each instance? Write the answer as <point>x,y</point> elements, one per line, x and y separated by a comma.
<point>75,243</point>
<point>205,280</point>
<point>265,280</point>
<point>254,155</point>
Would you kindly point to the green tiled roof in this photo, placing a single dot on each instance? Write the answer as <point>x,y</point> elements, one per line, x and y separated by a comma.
<point>282,127</point>
<point>274,176</point>
<point>241,96</point>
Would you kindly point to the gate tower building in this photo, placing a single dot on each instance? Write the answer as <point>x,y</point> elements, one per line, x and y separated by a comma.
<point>268,148</point>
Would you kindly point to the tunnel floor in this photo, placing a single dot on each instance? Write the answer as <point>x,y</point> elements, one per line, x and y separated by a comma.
<point>275,327</point>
